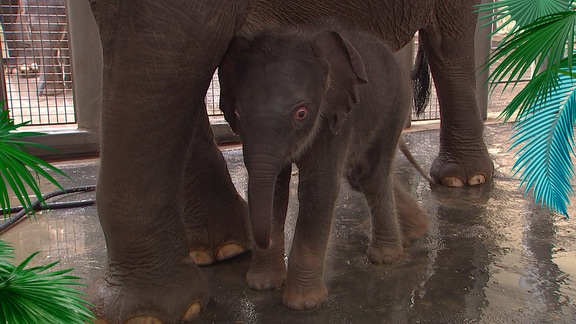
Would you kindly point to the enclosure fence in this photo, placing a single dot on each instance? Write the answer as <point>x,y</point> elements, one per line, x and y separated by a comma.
<point>37,85</point>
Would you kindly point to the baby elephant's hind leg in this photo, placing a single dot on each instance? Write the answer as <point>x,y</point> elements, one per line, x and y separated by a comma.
<point>374,180</point>
<point>413,220</point>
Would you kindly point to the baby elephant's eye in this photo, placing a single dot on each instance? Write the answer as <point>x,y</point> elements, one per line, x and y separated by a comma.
<point>300,113</point>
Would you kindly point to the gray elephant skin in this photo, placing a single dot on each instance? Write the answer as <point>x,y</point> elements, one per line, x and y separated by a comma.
<point>164,190</point>
<point>333,100</point>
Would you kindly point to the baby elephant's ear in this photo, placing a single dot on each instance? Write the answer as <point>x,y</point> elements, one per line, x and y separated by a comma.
<point>227,75</point>
<point>347,73</point>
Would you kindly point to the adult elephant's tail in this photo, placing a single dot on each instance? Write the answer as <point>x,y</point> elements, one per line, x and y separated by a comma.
<point>420,76</point>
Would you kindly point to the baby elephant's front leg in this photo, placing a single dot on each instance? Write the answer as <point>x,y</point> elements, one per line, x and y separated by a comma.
<point>305,288</point>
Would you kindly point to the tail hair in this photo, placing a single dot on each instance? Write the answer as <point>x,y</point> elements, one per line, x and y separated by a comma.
<point>420,76</point>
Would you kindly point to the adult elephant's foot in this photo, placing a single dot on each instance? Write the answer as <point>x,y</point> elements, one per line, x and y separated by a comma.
<point>471,169</point>
<point>220,234</point>
<point>145,296</point>
<point>300,297</point>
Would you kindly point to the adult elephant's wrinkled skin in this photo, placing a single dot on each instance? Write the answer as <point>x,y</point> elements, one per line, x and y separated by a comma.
<point>164,192</point>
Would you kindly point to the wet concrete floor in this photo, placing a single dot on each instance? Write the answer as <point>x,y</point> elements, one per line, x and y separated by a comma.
<point>490,256</point>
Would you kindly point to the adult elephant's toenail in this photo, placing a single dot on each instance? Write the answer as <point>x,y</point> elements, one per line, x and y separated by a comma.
<point>228,251</point>
<point>192,312</point>
<point>477,179</point>
<point>143,320</point>
<point>453,182</point>
<point>201,257</point>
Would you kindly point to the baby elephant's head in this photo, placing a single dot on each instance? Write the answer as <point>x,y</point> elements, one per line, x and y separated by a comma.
<point>284,87</point>
<point>277,92</point>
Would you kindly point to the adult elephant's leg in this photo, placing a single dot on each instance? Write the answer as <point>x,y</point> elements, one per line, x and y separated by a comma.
<point>158,60</point>
<point>449,44</point>
<point>218,223</point>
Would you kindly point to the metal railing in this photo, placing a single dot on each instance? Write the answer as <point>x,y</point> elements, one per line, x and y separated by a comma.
<point>36,62</point>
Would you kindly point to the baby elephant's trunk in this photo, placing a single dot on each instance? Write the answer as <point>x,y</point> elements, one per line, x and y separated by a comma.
<point>263,170</point>
<point>261,200</point>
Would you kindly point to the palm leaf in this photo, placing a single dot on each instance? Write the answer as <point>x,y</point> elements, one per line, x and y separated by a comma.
<point>6,253</point>
<point>547,42</point>
<point>6,250</point>
<point>519,13</point>
<point>543,34</point>
<point>546,144</point>
<point>31,294</point>
<point>16,166</point>
<point>35,295</point>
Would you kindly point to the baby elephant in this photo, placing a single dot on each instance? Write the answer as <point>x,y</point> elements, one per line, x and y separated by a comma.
<point>334,102</point>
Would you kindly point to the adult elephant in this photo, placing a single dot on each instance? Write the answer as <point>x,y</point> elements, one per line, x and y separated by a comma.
<point>160,168</point>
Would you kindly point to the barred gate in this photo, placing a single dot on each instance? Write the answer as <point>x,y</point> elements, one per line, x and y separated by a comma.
<point>213,98</point>
<point>36,62</point>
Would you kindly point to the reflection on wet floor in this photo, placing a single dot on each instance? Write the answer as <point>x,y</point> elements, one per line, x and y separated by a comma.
<point>491,255</point>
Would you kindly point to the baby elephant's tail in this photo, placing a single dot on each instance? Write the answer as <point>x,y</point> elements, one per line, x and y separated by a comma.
<point>404,149</point>
<point>420,76</point>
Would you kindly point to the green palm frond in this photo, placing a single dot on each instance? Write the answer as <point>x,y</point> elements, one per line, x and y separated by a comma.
<point>6,253</point>
<point>519,13</point>
<point>548,43</point>
<point>36,295</point>
<point>537,90</point>
<point>31,294</point>
<point>545,138</point>
<point>542,39</point>
<point>16,166</point>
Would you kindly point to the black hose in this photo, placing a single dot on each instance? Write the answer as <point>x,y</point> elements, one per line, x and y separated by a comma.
<point>38,205</point>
